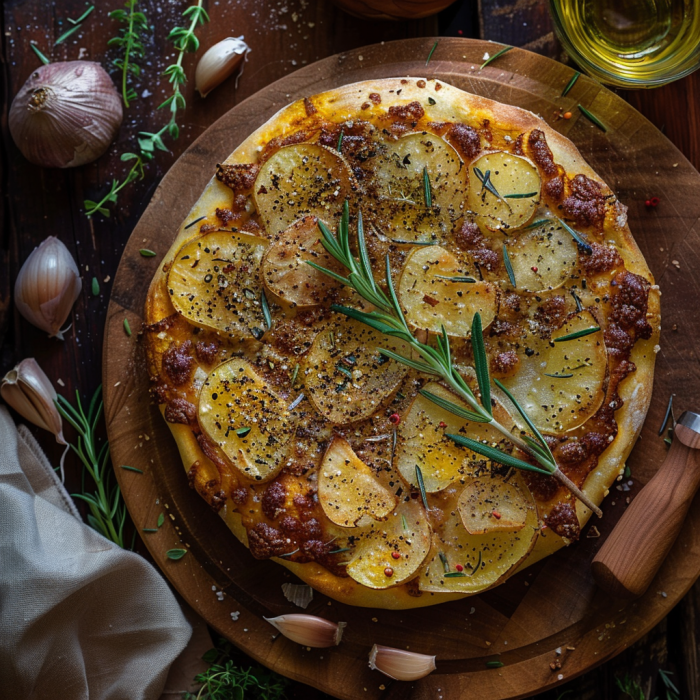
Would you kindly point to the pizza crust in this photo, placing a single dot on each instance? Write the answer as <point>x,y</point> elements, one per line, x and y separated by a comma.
<point>345,103</point>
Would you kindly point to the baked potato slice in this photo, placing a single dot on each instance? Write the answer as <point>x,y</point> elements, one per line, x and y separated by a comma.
<point>403,210</point>
<point>560,382</point>
<point>246,419</point>
<point>215,281</point>
<point>391,552</point>
<point>504,191</point>
<point>469,563</point>
<point>346,377</point>
<point>348,490</point>
<point>542,258</point>
<point>306,179</point>
<point>432,292</point>
<point>285,270</point>
<point>421,441</point>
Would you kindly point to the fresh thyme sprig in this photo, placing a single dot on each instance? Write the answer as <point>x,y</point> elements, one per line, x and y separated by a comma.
<point>107,510</point>
<point>136,173</point>
<point>388,318</point>
<point>130,42</point>
<point>185,40</point>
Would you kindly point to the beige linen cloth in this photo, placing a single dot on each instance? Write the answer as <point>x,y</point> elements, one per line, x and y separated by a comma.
<point>79,616</point>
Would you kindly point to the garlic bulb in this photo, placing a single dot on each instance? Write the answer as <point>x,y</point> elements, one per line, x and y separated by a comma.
<point>47,286</point>
<point>309,630</point>
<point>66,114</point>
<point>399,664</point>
<point>220,61</point>
<point>29,391</point>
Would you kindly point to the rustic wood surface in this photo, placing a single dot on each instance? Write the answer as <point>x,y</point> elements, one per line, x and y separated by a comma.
<point>284,36</point>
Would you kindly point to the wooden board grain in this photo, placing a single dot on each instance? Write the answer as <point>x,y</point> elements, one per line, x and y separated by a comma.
<point>552,605</point>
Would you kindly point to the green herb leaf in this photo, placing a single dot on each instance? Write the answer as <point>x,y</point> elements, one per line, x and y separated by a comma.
<point>41,56</point>
<point>576,236</point>
<point>537,223</point>
<point>571,83</point>
<point>146,253</point>
<point>481,363</point>
<point>578,334</point>
<point>421,486</point>
<point>453,407</point>
<point>477,566</point>
<point>455,279</point>
<point>667,415</point>
<point>342,549</point>
<point>591,117</point>
<point>127,327</point>
<point>131,469</point>
<point>526,195</point>
<point>498,54</point>
<point>196,221</point>
<point>266,310</point>
<point>161,519</point>
<point>339,147</point>
<point>495,455</point>
<point>443,559</point>
<point>242,432</point>
<point>579,305</point>
<point>175,554</point>
<point>559,376</point>
<point>494,664</point>
<point>95,287</point>
<point>454,574</point>
<point>149,529</point>
<point>427,191</point>
<point>509,266</point>
<point>432,51</point>
<point>66,34</point>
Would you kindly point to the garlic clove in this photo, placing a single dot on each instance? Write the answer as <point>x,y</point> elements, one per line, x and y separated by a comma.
<point>220,61</point>
<point>47,286</point>
<point>29,391</point>
<point>399,664</point>
<point>66,114</point>
<point>309,630</point>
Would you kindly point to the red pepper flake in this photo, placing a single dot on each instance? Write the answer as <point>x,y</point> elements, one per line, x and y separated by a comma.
<point>430,300</point>
<point>459,567</point>
<point>534,268</point>
<point>442,424</point>
<point>395,418</point>
<point>395,555</point>
<point>496,515</point>
<point>389,572</point>
<point>460,32</point>
<point>652,202</point>
<point>567,115</point>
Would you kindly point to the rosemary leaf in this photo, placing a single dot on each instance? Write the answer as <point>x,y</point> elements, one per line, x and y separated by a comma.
<point>131,469</point>
<point>82,17</point>
<point>445,565</point>
<point>495,455</point>
<point>571,83</point>
<point>404,524</point>
<point>481,363</point>
<point>454,574</point>
<point>427,190</point>
<point>509,266</point>
<point>432,51</point>
<point>485,179</point>
<point>592,117</point>
<point>454,408</point>
<point>667,415</point>
<point>455,279</point>
<point>339,147</point>
<point>537,223</point>
<point>559,376</point>
<point>421,486</point>
<point>578,334</point>
<point>266,310</point>
<point>526,195</point>
<point>41,56</point>
<point>576,236</point>
<point>149,529</point>
<point>498,54</point>
<point>342,549</point>
<point>67,34</point>
<point>295,374</point>
<point>175,554</point>
<point>196,221</point>
<point>478,563</point>
<point>579,305</point>
<point>494,664</point>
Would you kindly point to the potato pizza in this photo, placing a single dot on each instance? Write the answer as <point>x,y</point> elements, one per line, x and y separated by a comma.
<point>324,441</point>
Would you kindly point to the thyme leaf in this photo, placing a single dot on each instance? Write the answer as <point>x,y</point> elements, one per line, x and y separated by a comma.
<point>130,43</point>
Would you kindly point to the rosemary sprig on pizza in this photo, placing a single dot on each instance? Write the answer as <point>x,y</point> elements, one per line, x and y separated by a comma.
<point>413,409</point>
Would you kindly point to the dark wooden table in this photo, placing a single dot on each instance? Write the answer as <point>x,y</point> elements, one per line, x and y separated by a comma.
<point>283,34</point>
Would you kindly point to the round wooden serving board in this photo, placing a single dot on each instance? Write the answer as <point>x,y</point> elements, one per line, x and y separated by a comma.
<point>552,605</point>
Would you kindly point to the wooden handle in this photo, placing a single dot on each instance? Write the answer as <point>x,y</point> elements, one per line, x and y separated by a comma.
<point>632,554</point>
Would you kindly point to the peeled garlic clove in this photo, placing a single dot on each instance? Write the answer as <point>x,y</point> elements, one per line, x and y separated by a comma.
<point>29,391</point>
<point>220,61</point>
<point>66,114</point>
<point>399,664</point>
<point>47,286</point>
<point>309,630</point>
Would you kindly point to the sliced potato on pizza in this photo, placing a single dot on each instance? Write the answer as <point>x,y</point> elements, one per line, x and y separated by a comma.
<point>348,490</point>
<point>504,190</point>
<point>346,377</point>
<point>422,442</point>
<point>302,180</point>
<point>246,419</point>
<point>215,281</point>
<point>469,563</point>
<point>435,290</point>
<point>421,182</point>
<point>542,258</point>
<point>285,269</point>
<point>490,503</point>
<point>391,552</point>
<point>560,382</point>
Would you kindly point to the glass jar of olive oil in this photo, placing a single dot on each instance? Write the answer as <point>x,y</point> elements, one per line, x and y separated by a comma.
<point>631,43</point>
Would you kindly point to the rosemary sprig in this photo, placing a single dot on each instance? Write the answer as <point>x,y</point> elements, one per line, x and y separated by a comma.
<point>571,83</point>
<point>592,117</point>
<point>498,54</point>
<point>388,318</point>
<point>107,510</point>
<point>468,280</point>
<point>585,247</point>
<point>509,266</point>
<point>184,40</point>
<point>136,173</point>
<point>130,42</point>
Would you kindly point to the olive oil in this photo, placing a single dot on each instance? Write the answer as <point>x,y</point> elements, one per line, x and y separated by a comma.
<point>638,43</point>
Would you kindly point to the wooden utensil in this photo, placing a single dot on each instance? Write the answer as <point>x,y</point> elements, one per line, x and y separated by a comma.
<point>630,557</point>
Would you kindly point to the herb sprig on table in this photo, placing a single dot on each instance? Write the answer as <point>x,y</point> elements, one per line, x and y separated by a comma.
<point>388,318</point>
<point>107,510</point>
<point>130,42</point>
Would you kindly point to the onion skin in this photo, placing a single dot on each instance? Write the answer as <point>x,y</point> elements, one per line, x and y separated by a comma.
<point>66,114</point>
